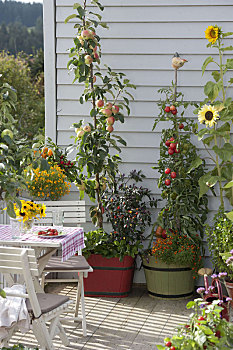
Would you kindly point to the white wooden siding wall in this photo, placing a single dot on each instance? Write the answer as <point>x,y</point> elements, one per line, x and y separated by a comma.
<point>141,40</point>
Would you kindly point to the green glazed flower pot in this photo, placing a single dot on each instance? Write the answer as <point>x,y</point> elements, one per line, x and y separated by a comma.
<point>168,281</point>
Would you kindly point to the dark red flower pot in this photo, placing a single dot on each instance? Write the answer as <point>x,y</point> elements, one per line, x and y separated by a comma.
<point>110,277</point>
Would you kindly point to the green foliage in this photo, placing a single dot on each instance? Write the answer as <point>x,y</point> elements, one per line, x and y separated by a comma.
<point>19,347</point>
<point>26,13</point>
<point>220,240</point>
<point>95,140</point>
<point>12,152</point>
<point>212,332</point>
<point>216,139</point>
<point>29,107</point>
<point>183,210</point>
<point>100,242</point>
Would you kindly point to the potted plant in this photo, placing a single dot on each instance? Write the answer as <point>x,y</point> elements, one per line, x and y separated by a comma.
<point>126,208</point>
<point>97,146</point>
<point>215,112</point>
<point>205,329</point>
<point>172,263</point>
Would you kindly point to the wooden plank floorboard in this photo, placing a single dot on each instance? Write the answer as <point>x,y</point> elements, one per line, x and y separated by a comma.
<point>137,322</point>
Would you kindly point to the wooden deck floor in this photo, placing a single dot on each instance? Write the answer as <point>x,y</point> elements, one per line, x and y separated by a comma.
<point>137,322</point>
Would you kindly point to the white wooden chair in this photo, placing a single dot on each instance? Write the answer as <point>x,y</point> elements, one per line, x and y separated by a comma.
<point>74,213</point>
<point>42,307</point>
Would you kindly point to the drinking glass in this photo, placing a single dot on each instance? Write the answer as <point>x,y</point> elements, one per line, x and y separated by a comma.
<point>16,228</point>
<point>58,218</point>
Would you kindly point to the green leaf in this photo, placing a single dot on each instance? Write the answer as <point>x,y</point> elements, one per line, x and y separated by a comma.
<point>229,184</point>
<point>195,164</point>
<point>10,210</point>
<point>201,133</point>
<point>160,347</point>
<point>211,90</point>
<point>216,75</point>
<point>70,17</point>
<point>229,64</point>
<point>229,215</point>
<point>227,34</point>
<point>81,194</point>
<point>225,153</point>
<point>2,293</point>
<point>206,62</point>
<point>190,305</point>
<point>228,48</point>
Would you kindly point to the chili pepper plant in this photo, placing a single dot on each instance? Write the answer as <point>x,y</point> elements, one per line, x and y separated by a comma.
<point>109,96</point>
<point>127,208</point>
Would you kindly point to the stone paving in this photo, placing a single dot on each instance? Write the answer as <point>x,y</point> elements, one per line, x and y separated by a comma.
<point>137,322</point>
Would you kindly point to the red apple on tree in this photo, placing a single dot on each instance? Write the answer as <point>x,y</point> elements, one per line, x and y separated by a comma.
<point>181,126</point>
<point>115,109</point>
<point>167,109</point>
<point>174,112</point>
<point>108,105</point>
<point>88,59</point>
<point>107,112</point>
<point>172,108</point>
<point>170,151</point>
<point>173,174</point>
<point>167,143</point>
<point>110,128</point>
<point>100,103</point>
<point>86,34</point>
<point>110,120</point>
<point>173,145</point>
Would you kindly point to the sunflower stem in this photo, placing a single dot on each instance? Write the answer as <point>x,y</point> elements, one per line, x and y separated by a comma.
<point>221,74</point>
<point>219,173</point>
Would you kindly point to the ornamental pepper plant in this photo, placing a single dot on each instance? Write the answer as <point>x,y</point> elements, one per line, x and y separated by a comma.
<point>183,215</point>
<point>127,208</point>
<point>107,91</point>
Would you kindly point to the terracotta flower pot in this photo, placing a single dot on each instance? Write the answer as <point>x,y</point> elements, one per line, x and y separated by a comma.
<point>110,278</point>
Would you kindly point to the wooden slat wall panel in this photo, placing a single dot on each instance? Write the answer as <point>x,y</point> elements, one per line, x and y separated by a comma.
<point>141,41</point>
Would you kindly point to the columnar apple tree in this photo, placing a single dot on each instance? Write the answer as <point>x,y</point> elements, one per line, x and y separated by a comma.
<point>183,212</point>
<point>96,161</point>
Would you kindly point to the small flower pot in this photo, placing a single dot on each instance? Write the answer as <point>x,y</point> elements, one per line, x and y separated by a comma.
<point>170,282</point>
<point>229,287</point>
<point>110,277</point>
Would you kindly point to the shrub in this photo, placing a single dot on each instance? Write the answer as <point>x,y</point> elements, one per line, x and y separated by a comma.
<point>29,108</point>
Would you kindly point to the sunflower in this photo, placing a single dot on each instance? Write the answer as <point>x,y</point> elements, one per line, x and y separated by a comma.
<point>208,115</point>
<point>212,34</point>
<point>42,211</point>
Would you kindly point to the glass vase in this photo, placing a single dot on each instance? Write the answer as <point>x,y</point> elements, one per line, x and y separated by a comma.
<point>27,226</point>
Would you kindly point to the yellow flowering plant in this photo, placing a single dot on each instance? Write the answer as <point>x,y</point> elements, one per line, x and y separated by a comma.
<point>29,210</point>
<point>48,184</point>
<point>216,113</point>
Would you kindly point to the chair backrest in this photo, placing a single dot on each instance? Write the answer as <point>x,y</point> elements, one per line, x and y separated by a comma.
<point>74,212</point>
<point>11,261</point>
<point>22,261</point>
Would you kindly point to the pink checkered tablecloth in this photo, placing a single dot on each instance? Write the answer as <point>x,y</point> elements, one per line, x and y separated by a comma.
<point>70,243</point>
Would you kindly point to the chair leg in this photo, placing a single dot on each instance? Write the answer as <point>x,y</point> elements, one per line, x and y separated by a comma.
<point>43,280</point>
<point>42,334</point>
<point>63,335</point>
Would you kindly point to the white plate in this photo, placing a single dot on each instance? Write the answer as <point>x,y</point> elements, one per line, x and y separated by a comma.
<point>57,236</point>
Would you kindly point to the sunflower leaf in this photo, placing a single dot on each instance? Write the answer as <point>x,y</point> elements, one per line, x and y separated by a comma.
<point>229,64</point>
<point>227,34</point>
<point>216,75</point>
<point>201,134</point>
<point>229,184</point>
<point>211,90</point>
<point>228,48</point>
<point>195,164</point>
<point>206,62</point>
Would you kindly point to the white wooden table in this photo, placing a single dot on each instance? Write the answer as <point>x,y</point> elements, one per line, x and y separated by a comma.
<point>44,247</point>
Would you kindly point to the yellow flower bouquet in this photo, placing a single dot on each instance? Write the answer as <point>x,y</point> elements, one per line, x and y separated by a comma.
<point>28,212</point>
<point>48,184</point>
